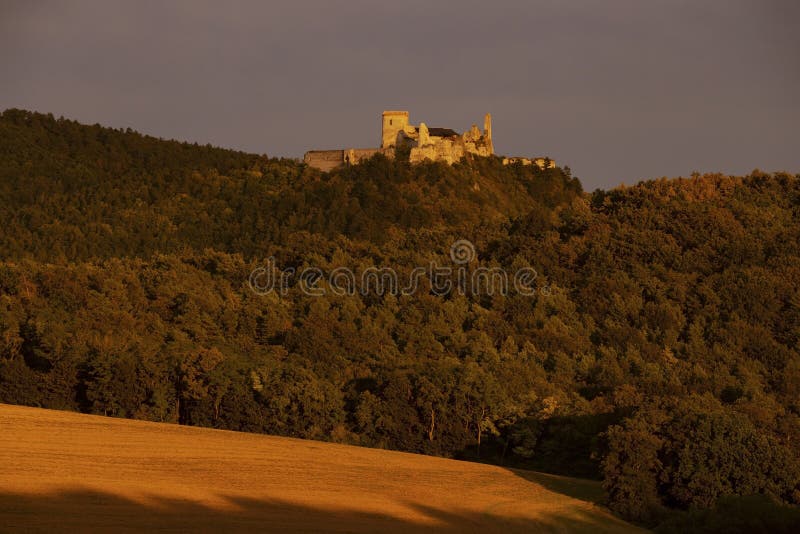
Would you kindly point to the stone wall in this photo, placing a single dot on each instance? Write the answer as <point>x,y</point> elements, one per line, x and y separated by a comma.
<point>449,150</point>
<point>324,160</point>
<point>542,163</point>
<point>358,154</point>
<point>327,160</point>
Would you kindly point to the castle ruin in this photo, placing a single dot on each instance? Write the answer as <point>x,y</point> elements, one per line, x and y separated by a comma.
<point>423,142</point>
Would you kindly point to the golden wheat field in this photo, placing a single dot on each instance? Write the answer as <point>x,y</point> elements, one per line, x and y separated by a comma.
<point>64,471</point>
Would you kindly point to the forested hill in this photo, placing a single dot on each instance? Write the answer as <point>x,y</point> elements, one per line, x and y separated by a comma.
<point>659,352</point>
<point>76,192</point>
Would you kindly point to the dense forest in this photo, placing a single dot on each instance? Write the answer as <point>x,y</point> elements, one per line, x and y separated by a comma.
<point>664,357</point>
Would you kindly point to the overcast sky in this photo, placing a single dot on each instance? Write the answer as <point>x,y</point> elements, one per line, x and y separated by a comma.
<point>618,90</point>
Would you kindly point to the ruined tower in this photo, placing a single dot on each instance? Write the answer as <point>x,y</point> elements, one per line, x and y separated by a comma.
<point>394,122</point>
<point>487,132</point>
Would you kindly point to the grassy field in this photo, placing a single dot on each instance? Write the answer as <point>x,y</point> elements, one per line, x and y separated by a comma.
<point>62,471</point>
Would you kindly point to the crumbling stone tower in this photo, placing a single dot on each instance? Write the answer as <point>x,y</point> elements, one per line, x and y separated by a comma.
<point>394,122</point>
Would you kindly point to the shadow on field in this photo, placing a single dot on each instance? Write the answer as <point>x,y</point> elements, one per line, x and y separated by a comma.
<point>577,488</point>
<point>91,511</point>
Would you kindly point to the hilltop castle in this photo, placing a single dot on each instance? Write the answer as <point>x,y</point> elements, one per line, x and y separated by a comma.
<point>437,144</point>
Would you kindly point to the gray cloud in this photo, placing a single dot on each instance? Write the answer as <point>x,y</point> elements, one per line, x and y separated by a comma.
<point>618,90</point>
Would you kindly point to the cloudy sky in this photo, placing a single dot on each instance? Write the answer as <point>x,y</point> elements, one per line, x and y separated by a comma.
<point>618,90</point>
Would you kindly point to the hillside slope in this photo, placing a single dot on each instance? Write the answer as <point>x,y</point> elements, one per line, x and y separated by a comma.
<point>88,473</point>
<point>76,192</point>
